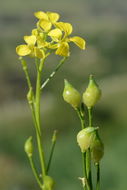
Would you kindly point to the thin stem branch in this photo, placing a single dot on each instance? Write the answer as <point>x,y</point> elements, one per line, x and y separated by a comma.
<point>88,168</point>
<point>25,68</point>
<point>88,153</point>
<point>53,73</point>
<point>52,151</point>
<point>84,171</point>
<point>90,116</point>
<point>98,176</point>
<point>81,117</point>
<point>34,119</point>
<point>35,172</point>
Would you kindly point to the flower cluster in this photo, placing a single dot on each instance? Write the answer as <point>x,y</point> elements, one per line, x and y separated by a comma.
<point>49,35</point>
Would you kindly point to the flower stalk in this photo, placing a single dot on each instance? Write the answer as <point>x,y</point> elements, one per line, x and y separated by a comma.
<point>49,36</point>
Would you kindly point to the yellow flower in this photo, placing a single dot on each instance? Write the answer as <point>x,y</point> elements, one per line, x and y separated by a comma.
<point>29,48</point>
<point>65,27</point>
<point>49,35</point>
<point>63,49</point>
<point>46,20</point>
<point>40,36</point>
<point>61,35</point>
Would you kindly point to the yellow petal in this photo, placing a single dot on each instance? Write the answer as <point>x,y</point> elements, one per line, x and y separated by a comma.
<point>39,53</point>
<point>53,17</point>
<point>23,50</point>
<point>56,34</point>
<point>41,15</point>
<point>45,25</point>
<point>66,27</point>
<point>80,42</point>
<point>30,40</point>
<point>63,49</point>
<point>52,46</point>
<point>41,43</point>
<point>35,32</point>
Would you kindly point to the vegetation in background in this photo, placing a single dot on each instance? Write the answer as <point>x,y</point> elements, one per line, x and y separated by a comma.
<point>104,26</point>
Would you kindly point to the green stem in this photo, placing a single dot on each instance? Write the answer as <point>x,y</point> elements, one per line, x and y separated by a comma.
<point>82,120</point>
<point>88,168</point>
<point>81,117</point>
<point>84,170</point>
<point>34,119</point>
<point>52,151</point>
<point>25,68</point>
<point>35,172</point>
<point>53,73</point>
<point>37,114</point>
<point>90,116</point>
<point>88,153</point>
<point>98,176</point>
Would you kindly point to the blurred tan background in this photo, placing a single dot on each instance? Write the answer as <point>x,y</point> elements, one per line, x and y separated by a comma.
<point>103,25</point>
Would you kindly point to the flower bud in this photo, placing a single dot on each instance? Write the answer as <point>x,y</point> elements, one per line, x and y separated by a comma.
<point>92,94</point>
<point>97,150</point>
<point>29,147</point>
<point>48,183</point>
<point>23,62</point>
<point>85,138</point>
<point>30,96</point>
<point>71,95</point>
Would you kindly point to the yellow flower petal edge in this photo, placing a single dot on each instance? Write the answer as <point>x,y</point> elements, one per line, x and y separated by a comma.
<point>53,46</point>
<point>80,42</point>
<point>39,53</point>
<point>23,50</point>
<point>55,33</point>
<point>35,32</point>
<point>63,49</point>
<point>53,17</point>
<point>66,27</point>
<point>41,42</point>
<point>45,25</point>
<point>41,15</point>
<point>30,40</point>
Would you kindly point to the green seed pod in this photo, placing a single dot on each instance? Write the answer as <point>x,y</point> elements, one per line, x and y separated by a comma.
<point>71,95</point>
<point>97,150</point>
<point>30,96</point>
<point>92,94</point>
<point>85,137</point>
<point>48,183</point>
<point>29,147</point>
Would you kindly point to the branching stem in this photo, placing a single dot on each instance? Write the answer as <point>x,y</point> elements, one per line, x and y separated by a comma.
<point>35,172</point>
<point>53,73</point>
<point>52,151</point>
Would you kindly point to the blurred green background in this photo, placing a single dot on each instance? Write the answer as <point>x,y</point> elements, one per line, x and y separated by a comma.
<point>103,25</point>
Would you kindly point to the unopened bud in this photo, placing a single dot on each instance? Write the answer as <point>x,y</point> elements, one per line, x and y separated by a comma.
<point>92,94</point>
<point>23,62</point>
<point>29,147</point>
<point>85,138</point>
<point>71,95</point>
<point>30,96</point>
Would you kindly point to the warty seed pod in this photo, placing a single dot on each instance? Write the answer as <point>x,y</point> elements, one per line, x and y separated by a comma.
<point>85,137</point>
<point>48,183</point>
<point>92,94</point>
<point>71,95</point>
